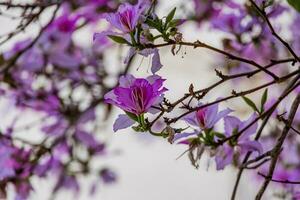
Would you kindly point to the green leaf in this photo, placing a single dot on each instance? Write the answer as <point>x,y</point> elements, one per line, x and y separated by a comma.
<point>250,103</point>
<point>295,4</point>
<point>118,39</point>
<point>154,24</point>
<point>132,116</point>
<point>174,23</point>
<point>268,3</point>
<point>263,100</point>
<point>170,16</point>
<point>219,135</point>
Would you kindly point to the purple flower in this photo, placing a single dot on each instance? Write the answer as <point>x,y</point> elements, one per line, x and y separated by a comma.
<point>136,95</point>
<point>203,119</point>
<point>206,118</point>
<point>244,144</point>
<point>127,16</point>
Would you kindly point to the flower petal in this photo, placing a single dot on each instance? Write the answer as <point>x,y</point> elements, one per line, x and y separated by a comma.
<point>231,123</point>
<point>224,157</point>
<point>251,146</point>
<point>191,119</point>
<point>251,130</point>
<point>219,116</point>
<point>156,64</point>
<point>122,122</point>
<point>179,136</point>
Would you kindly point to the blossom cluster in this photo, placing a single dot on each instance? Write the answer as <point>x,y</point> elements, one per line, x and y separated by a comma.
<point>70,86</point>
<point>45,75</point>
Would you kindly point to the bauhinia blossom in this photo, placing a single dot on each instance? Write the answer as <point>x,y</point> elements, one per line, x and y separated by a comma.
<point>206,118</point>
<point>127,16</point>
<point>126,20</point>
<point>135,96</point>
<point>203,119</point>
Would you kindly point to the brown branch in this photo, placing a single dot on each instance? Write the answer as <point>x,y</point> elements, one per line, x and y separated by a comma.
<point>277,148</point>
<point>258,164</point>
<point>235,95</point>
<point>22,26</point>
<point>199,44</point>
<point>258,158</point>
<point>282,119</point>
<point>279,181</point>
<point>231,77</point>
<point>27,6</point>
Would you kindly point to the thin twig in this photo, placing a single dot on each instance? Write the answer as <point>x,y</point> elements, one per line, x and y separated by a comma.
<point>277,148</point>
<point>280,181</point>
<point>199,44</point>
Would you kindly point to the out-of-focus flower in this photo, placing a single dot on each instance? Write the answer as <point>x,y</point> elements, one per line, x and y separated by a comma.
<point>243,144</point>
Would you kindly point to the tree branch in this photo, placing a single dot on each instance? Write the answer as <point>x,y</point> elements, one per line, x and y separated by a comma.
<point>277,148</point>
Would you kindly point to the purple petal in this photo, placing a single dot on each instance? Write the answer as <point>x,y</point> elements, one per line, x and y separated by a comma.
<point>86,138</point>
<point>224,157</point>
<point>231,123</point>
<point>191,119</point>
<point>152,79</point>
<point>147,52</point>
<point>219,116</point>
<point>251,146</point>
<point>130,54</point>
<point>122,122</point>
<point>156,64</point>
<point>251,130</point>
<point>110,97</point>
<point>126,81</point>
<point>179,136</point>
<point>210,115</point>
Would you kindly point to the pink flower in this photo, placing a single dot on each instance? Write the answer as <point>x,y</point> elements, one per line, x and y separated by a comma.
<point>127,16</point>
<point>136,95</point>
<point>206,118</point>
